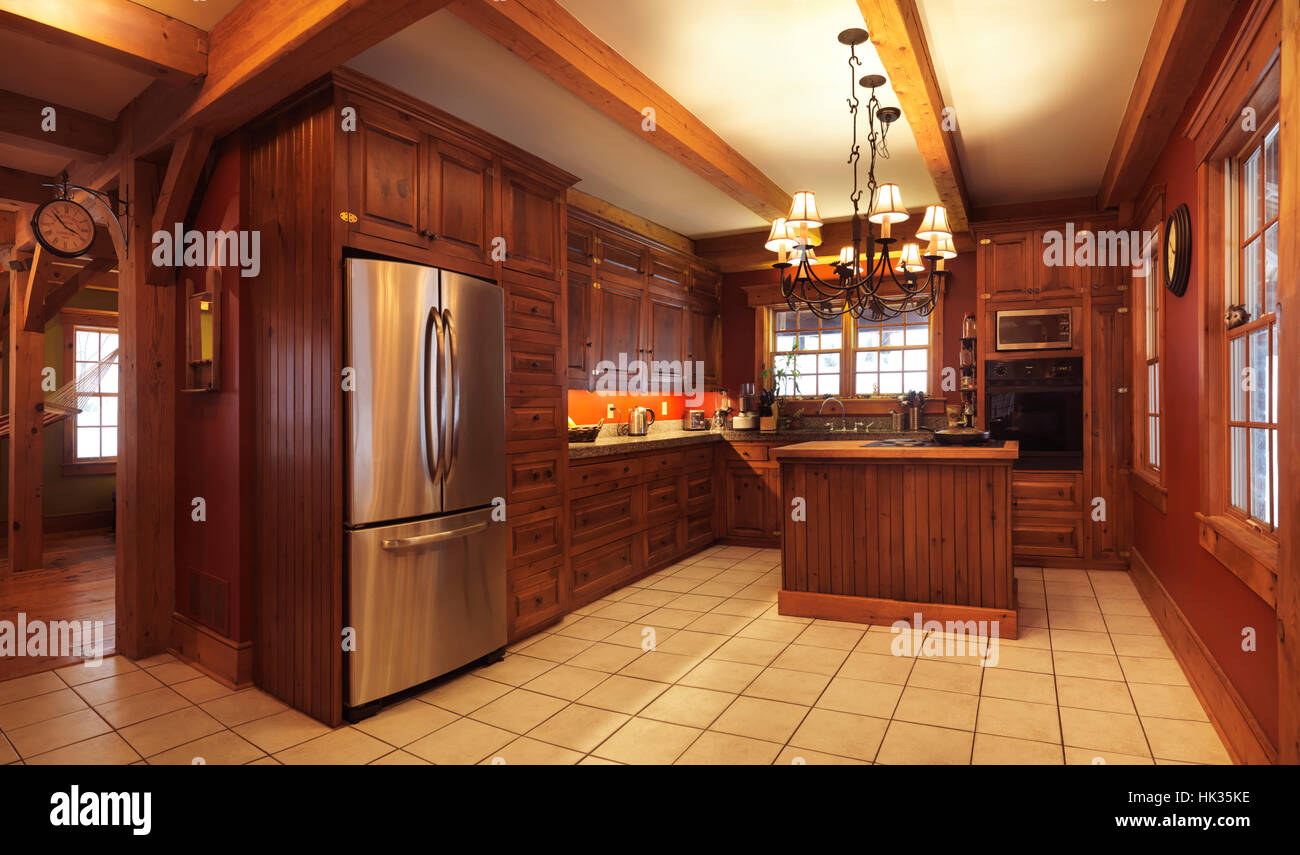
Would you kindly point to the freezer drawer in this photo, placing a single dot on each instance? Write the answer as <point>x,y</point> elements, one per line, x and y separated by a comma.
<point>424,598</point>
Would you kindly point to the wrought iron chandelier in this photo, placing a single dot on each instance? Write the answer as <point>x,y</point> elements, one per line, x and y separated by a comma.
<point>866,283</point>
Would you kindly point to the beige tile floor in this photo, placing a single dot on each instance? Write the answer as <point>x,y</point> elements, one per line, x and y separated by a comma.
<point>728,681</point>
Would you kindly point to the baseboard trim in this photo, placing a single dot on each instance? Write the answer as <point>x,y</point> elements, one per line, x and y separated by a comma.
<point>1237,726</point>
<point>884,612</point>
<point>62,523</point>
<point>228,662</point>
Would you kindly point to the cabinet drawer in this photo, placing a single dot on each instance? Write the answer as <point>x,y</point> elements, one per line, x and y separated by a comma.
<point>697,458</point>
<point>593,474</point>
<point>747,451</point>
<point>531,475</point>
<point>699,488</point>
<point>534,418</point>
<point>595,516</point>
<point>535,536</point>
<point>532,357</point>
<point>699,530</point>
<point>1047,491</point>
<point>534,599</point>
<point>530,306</point>
<point>602,567</point>
<point>670,462</point>
<point>1047,536</point>
<point>662,544</point>
<point>661,497</point>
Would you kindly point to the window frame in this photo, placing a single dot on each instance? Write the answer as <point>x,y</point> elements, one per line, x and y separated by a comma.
<point>72,320</point>
<point>854,403</point>
<point>1233,293</point>
<point>1148,479</point>
<point>1217,134</point>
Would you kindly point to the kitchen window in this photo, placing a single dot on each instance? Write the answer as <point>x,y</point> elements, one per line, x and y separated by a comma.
<point>1148,352</point>
<point>847,356</point>
<point>1252,354</point>
<point>90,437</point>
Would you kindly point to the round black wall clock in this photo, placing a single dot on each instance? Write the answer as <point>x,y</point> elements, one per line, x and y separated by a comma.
<point>64,228</point>
<point>1178,250</point>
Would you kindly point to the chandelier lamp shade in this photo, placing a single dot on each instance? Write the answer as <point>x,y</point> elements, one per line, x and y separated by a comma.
<point>866,282</point>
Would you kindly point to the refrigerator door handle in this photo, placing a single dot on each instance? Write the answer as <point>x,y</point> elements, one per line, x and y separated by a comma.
<point>427,539</point>
<point>433,437</point>
<point>452,410</point>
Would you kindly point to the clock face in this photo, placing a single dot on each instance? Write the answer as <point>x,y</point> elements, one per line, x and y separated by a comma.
<point>64,228</point>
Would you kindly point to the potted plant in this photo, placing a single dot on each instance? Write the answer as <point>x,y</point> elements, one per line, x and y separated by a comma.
<point>770,418</point>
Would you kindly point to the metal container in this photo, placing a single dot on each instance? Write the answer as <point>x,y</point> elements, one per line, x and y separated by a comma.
<point>639,420</point>
<point>695,420</point>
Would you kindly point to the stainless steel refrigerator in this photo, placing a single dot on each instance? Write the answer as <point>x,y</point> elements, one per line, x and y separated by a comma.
<point>426,564</point>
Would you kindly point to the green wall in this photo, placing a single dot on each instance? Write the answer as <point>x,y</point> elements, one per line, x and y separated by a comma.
<point>63,494</point>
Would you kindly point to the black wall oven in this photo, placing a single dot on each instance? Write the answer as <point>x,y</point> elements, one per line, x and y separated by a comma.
<point>1039,404</point>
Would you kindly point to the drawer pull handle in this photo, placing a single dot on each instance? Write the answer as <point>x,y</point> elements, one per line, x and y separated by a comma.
<point>537,600</point>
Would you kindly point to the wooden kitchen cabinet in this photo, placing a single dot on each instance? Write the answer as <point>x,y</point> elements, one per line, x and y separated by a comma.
<point>1005,273</point>
<point>460,218</point>
<point>1107,428</point>
<point>387,177</point>
<point>706,337</point>
<point>631,514</point>
<point>747,502</point>
<point>667,330</point>
<point>633,297</point>
<point>531,224</point>
<point>580,345</point>
<point>1054,280</point>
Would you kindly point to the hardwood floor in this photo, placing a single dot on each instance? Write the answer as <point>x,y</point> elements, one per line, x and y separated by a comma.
<point>76,583</point>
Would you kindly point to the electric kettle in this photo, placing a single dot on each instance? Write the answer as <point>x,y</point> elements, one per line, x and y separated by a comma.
<point>639,420</point>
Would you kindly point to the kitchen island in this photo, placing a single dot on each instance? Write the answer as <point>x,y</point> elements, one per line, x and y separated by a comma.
<point>875,532</point>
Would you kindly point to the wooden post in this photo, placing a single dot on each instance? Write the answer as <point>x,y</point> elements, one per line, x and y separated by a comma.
<point>26,449</point>
<point>1288,565</point>
<point>146,443</point>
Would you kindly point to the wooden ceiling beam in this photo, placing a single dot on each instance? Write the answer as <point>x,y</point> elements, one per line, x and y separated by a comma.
<point>25,187</point>
<point>75,134</point>
<point>187,158</point>
<point>259,54</point>
<point>58,295</point>
<point>120,31</point>
<point>894,27</point>
<point>1182,39</point>
<point>546,36</point>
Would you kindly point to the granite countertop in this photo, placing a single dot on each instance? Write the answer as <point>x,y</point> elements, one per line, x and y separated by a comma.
<point>610,442</point>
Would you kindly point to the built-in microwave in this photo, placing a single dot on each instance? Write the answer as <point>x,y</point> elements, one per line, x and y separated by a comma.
<point>1035,329</point>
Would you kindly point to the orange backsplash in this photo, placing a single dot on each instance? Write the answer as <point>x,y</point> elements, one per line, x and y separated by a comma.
<point>587,408</point>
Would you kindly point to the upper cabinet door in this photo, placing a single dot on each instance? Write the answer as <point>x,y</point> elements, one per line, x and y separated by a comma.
<point>1058,279</point>
<point>617,314</point>
<point>581,343</point>
<point>460,200</point>
<point>580,238</point>
<point>386,157</point>
<point>531,219</point>
<point>705,333</point>
<point>617,257</point>
<point>705,283</point>
<point>668,276</point>
<point>668,333</point>
<point>1004,267</point>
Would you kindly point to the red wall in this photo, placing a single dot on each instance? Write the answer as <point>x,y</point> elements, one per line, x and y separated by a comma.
<point>587,408</point>
<point>738,318</point>
<point>209,425</point>
<point>1217,604</point>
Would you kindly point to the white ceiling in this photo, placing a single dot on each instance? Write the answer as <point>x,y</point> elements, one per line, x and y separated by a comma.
<point>1039,88</point>
<point>769,77</point>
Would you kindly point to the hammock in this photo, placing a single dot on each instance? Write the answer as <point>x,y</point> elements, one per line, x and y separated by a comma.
<point>63,401</point>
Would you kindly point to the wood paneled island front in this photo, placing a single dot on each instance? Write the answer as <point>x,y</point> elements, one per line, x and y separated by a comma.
<point>876,533</point>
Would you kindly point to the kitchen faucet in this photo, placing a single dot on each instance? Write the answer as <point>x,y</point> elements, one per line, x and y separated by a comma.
<point>827,400</point>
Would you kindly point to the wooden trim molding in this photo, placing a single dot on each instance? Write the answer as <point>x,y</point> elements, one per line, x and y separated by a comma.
<point>1177,51</point>
<point>1155,494</point>
<point>228,662</point>
<point>1288,583</point>
<point>1235,723</point>
<point>1250,556</point>
<point>884,612</point>
<point>577,200</point>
